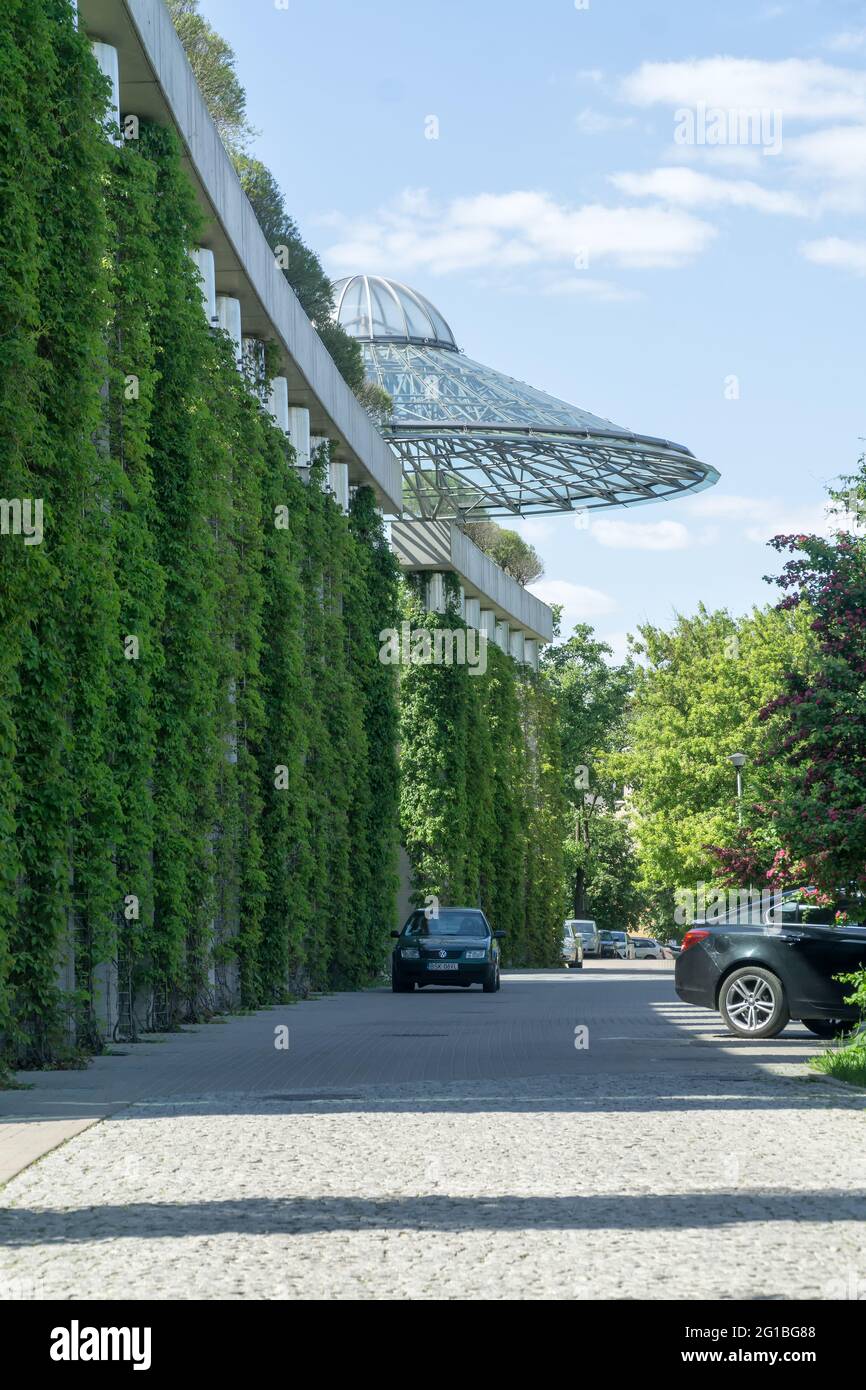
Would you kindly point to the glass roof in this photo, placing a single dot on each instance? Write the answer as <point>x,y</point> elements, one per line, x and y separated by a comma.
<point>377,310</point>
<point>473,440</point>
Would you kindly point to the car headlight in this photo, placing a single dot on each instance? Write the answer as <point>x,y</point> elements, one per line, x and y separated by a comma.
<point>475,955</point>
<point>409,952</point>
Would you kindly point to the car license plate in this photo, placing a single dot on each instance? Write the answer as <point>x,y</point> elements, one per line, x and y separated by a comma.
<point>441,965</point>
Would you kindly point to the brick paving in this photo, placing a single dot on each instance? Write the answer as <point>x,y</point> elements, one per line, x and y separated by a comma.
<point>449,1144</point>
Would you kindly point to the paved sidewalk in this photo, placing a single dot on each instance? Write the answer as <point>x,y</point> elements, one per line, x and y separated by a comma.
<point>667,1161</point>
<point>536,1193</point>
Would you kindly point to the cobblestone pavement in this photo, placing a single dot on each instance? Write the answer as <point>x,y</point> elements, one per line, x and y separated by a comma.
<point>665,1161</point>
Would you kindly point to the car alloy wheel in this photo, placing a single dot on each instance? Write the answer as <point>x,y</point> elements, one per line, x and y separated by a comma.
<point>753,1003</point>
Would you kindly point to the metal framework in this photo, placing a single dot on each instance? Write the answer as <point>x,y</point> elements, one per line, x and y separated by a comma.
<point>473,440</point>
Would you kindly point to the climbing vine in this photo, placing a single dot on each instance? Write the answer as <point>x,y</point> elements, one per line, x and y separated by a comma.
<point>197,745</point>
<point>199,792</point>
<point>482,815</point>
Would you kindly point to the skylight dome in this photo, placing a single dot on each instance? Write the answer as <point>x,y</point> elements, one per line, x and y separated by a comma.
<point>384,311</point>
<point>475,442</point>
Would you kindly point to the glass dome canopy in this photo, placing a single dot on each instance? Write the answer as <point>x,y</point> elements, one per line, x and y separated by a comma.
<point>474,441</point>
<point>384,311</point>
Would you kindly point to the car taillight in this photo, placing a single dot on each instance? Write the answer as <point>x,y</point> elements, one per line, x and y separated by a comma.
<point>693,936</point>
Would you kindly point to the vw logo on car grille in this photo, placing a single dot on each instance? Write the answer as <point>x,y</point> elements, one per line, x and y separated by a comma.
<point>443,955</point>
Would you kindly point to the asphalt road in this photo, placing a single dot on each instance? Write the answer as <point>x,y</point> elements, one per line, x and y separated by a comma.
<point>447,1143</point>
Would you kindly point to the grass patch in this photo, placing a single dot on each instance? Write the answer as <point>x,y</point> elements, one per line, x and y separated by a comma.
<point>845,1063</point>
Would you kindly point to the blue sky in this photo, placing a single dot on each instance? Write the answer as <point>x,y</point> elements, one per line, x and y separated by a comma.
<point>557,133</point>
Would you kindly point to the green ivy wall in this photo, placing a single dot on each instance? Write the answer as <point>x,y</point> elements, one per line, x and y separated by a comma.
<point>198,781</point>
<point>483,817</point>
<point>199,798</point>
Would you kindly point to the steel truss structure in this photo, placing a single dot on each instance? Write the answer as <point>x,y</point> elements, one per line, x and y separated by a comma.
<point>473,440</point>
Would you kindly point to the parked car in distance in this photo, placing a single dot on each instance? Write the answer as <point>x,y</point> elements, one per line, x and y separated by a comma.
<point>572,947</point>
<point>617,944</point>
<point>588,931</point>
<point>456,946</point>
<point>645,948</point>
<point>758,977</point>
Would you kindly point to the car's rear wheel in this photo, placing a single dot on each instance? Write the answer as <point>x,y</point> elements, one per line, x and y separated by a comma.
<point>399,985</point>
<point>577,965</point>
<point>753,1004</point>
<point>828,1027</point>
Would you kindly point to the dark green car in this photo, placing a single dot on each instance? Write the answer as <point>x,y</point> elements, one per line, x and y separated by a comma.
<point>454,946</point>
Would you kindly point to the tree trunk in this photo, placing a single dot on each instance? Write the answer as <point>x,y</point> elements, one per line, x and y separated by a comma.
<point>579,892</point>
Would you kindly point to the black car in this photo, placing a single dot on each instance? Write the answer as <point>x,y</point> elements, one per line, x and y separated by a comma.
<point>453,946</point>
<point>760,976</point>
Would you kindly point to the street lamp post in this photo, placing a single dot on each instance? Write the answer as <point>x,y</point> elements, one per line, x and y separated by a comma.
<point>739,759</point>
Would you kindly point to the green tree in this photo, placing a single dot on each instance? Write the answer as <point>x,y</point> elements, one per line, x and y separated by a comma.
<point>815,725</point>
<point>300,265</point>
<point>698,694</point>
<point>591,697</point>
<point>509,550</point>
<point>213,61</point>
<point>611,871</point>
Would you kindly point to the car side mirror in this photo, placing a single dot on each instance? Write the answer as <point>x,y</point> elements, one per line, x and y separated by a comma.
<point>499,934</point>
<point>395,933</point>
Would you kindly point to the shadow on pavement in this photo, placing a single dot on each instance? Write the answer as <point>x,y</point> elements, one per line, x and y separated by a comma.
<point>301,1216</point>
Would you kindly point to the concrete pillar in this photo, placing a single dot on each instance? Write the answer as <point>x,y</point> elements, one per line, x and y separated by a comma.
<point>316,442</point>
<point>530,652</point>
<point>461,602</point>
<point>229,320</point>
<point>105,996</point>
<point>203,260</point>
<point>472,613</point>
<point>253,357</point>
<point>487,622</point>
<point>502,636</point>
<point>109,66</point>
<point>517,639</point>
<point>299,433</point>
<point>436,593</point>
<point>278,403</point>
<point>75,14</point>
<point>338,474</point>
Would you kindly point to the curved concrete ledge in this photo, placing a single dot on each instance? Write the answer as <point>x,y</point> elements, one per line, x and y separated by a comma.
<point>157,83</point>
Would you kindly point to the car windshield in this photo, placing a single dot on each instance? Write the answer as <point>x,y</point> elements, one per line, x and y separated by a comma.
<point>450,921</point>
<point>617,935</point>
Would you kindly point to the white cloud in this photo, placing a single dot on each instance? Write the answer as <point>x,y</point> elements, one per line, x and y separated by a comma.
<point>502,230</point>
<point>691,188</point>
<point>606,291</point>
<point>800,88</point>
<point>759,518</point>
<point>838,152</point>
<point>640,535</point>
<point>580,603</point>
<point>745,158</point>
<point>618,643</point>
<point>592,122</point>
<point>719,506</point>
<point>849,41</point>
<point>838,253</point>
<point>534,529</point>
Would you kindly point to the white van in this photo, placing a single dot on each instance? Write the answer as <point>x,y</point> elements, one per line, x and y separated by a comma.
<point>585,928</point>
